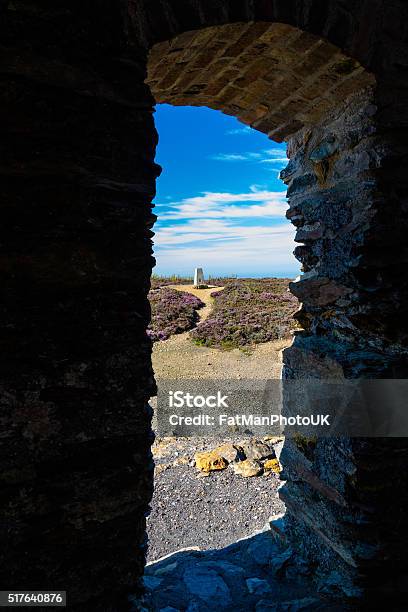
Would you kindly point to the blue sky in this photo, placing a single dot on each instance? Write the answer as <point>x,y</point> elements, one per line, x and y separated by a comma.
<point>219,202</point>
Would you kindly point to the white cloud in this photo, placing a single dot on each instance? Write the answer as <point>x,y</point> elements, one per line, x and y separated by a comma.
<point>257,187</point>
<point>275,160</point>
<point>269,156</point>
<point>217,230</point>
<point>229,157</point>
<point>223,248</point>
<point>227,233</point>
<point>210,205</point>
<point>242,131</point>
<point>275,152</point>
<point>254,155</point>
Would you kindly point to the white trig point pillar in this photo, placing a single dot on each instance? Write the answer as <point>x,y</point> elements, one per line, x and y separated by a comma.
<point>198,277</point>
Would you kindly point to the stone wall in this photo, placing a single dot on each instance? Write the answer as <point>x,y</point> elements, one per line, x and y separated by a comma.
<point>78,141</point>
<point>325,105</point>
<point>339,493</point>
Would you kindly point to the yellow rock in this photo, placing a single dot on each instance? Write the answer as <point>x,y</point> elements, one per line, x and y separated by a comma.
<point>247,468</point>
<point>272,464</point>
<point>209,461</point>
<point>230,452</point>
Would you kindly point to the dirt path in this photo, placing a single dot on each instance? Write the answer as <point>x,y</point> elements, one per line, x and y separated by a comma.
<point>178,357</point>
<point>203,294</point>
<point>212,512</point>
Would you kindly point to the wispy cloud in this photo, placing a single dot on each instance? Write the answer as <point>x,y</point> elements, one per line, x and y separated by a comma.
<point>275,160</point>
<point>228,232</point>
<point>274,156</point>
<point>220,245</point>
<point>221,231</point>
<point>210,205</point>
<point>257,187</point>
<point>267,156</point>
<point>274,152</point>
<point>241,131</point>
<point>229,157</point>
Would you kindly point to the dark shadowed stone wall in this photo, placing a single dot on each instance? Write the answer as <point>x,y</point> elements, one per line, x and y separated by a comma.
<point>77,147</point>
<point>78,172</point>
<point>346,499</point>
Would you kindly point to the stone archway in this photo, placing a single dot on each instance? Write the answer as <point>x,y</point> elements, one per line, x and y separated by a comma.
<point>79,140</point>
<point>298,87</point>
<point>273,77</point>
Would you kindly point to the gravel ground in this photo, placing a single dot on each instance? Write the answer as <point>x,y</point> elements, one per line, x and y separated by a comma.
<point>178,357</point>
<point>191,510</point>
<point>187,509</point>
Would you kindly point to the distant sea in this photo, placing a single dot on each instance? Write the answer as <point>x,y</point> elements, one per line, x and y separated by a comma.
<point>215,274</point>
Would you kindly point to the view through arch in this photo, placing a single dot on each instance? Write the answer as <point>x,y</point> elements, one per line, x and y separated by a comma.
<point>79,178</point>
<point>296,87</point>
<point>220,205</point>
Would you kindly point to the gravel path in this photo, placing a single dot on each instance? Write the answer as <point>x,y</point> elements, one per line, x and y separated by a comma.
<point>188,509</point>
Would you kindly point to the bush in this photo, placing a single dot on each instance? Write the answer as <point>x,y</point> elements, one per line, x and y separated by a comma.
<point>248,312</point>
<point>173,312</point>
<point>162,281</point>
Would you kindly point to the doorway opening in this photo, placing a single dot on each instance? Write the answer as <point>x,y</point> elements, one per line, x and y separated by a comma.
<point>300,89</point>
<point>221,207</point>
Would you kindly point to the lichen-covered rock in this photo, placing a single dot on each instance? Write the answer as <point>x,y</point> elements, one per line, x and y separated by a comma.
<point>324,150</point>
<point>254,449</point>
<point>208,461</point>
<point>247,468</point>
<point>272,465</point>
<point>230,452</point>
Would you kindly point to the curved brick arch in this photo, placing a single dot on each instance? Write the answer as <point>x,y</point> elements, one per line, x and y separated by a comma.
<point>351,27</point>
<point>273,77</point>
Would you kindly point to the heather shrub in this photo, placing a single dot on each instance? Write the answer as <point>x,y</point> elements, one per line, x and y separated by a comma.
<point>162,281</point>
<point>248,312</point>
<point>173,312</point>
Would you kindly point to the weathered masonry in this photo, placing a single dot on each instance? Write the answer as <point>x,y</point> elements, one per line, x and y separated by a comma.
<point>78,86</point>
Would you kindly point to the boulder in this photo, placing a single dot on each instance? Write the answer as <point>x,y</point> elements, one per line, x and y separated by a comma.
<point>254,449</point>
<point>208,585</point>
<point>208,461</point>
<point>151,582</point>
<point>230,452</point>
<point>247,468</point>
<point>258,586</point>
<point>295,605</point>
<point>272,465</point>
